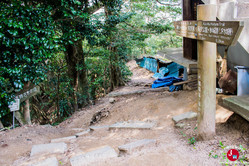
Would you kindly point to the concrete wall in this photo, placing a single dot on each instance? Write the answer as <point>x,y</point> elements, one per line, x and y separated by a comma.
<point>235,10</point>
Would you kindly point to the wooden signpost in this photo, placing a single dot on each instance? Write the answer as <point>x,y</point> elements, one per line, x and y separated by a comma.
<point>220,32</point>
<point>22,96</point>
<point>26,94</point>
<point>208,32</point>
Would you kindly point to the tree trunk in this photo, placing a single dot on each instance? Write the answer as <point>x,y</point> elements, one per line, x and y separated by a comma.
<point>1,125</point>
<point>19,118</point>
<point>74,57</point>
<point>58,95</point>
<point>115,72</point>
<point>26,109</point>
<point>27,112</point>
<point>83,81</point>
<point>72,72</point>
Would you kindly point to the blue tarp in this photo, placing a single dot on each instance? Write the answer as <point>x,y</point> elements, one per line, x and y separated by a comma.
<point>171,71</point>
<point>162,72</point>
<point>148,63</point>
<point>157,75</point>
<point>174,69</point>
<point>151,65</point>
<point>167,81</point>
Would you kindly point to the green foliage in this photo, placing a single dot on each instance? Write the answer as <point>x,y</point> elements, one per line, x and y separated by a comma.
<point>221,145</point>
<point>40,39</point>
<point>155,22</point>
<point>26,34</point>
<point>98,67</point>
<point>192,140</point>
<point>56,84</point>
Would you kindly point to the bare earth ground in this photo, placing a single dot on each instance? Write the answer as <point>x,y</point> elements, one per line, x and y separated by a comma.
<point>172,147</point>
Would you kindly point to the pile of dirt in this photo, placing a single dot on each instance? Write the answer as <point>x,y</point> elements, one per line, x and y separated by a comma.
<point>140,75</point>
<point>239,123</point>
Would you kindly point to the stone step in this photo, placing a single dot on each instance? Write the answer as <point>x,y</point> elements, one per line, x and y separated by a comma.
<point>64,139</point>
<point>78,129</point>
<point>187,115</point>
<point>137,145</point>
<point>133,125</point>
<point>238,104</point>
<point>82,133</point>
<point>48,148</point>
<point>97,155</point>
<point>47,162</point>
<point>95,128</point>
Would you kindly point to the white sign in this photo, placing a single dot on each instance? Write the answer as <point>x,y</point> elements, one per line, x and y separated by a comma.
<point>15,106</point>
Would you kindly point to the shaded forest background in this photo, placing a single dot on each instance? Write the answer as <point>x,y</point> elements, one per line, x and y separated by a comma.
<point>75,50</point>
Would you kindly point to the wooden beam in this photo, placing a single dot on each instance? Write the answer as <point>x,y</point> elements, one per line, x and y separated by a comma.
<point>184,82</point>
<point>190,13</point>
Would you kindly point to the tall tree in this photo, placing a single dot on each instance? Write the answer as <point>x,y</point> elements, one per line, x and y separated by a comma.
<point>26,37</point>
<point>112,12</point>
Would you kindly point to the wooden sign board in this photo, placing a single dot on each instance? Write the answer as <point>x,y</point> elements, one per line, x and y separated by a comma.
<point>15,106</point>
<point>26,95</point>
<point>220,32</point>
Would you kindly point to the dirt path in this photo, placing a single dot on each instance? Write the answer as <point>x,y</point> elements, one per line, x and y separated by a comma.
<point>172,144</point>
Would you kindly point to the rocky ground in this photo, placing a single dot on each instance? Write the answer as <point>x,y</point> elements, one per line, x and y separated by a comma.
<point>162,143</point>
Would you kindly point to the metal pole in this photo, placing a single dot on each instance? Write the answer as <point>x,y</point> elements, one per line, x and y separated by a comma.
<point>206,78</point>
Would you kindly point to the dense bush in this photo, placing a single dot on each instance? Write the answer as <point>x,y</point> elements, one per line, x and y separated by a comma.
<point>26,37</point>
<point>74,54</point>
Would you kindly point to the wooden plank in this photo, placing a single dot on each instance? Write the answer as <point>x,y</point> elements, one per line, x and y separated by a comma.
<point>189,10</point>
<point>184,82</point>
<point>190,49</point>
<point>221,32</point>
<point>28,94</point>
<point>189,45</point>
<point>238,104</point>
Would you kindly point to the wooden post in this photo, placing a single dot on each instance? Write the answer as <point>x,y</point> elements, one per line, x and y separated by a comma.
<point>206,78</point>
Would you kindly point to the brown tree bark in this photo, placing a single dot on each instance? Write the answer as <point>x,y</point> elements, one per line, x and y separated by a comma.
<point>19,118</point>
<point>115,72</point>
<point>1,125</point>
<point>26,109</point>
<point>74,57</point>
<point>26,112</point>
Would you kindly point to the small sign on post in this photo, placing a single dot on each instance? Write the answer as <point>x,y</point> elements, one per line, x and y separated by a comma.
<point>15,106</point>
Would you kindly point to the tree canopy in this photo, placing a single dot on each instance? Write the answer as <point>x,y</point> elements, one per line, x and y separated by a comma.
<point>76,50</point>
